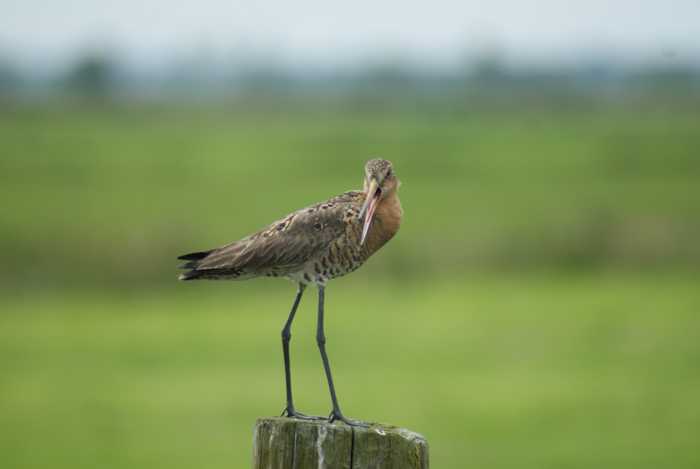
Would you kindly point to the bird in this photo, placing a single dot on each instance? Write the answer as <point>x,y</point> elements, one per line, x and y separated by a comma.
<point>311,246</point>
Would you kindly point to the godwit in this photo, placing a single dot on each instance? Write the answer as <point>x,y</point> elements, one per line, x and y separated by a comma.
<point>311,246</point>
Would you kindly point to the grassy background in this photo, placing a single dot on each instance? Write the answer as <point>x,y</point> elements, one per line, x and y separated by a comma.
<point>539,307</point>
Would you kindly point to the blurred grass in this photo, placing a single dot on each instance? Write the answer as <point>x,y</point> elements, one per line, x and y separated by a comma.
<point>537,309</point>
<point>496,371</point>
<point>97,190</point>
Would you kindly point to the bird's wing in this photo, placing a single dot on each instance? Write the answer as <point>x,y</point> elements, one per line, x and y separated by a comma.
<point>287,244</point>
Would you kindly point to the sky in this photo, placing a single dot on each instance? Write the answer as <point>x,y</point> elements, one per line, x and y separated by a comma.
<point>327,32</point>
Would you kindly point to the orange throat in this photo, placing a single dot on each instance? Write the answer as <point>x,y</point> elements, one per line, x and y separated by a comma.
<point>385,223</point>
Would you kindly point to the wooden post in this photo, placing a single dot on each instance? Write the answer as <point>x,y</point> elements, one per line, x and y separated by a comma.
<point>286,443</point>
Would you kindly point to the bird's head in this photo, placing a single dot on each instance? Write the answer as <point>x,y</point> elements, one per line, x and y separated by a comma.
<point>380,182</point>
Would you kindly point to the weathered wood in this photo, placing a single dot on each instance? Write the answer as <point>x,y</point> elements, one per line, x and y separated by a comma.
<point>285,443</point>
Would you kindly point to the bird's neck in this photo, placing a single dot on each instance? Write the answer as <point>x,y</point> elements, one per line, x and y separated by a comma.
<point>386,222</point>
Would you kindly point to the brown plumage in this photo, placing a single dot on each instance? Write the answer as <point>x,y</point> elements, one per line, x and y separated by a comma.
<point>312,245</point>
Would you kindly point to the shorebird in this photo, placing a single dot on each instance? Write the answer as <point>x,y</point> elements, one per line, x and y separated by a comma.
<point>311,246</point>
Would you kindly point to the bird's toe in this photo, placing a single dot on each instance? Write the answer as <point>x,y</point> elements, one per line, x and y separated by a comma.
<point>353,423</point>
<point>292,413</point>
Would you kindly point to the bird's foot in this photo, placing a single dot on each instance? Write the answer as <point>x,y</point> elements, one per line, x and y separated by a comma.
<point>337,415</point>
<point>292,413</point>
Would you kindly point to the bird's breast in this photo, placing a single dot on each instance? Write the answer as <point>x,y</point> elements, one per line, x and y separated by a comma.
<point>386,223</point>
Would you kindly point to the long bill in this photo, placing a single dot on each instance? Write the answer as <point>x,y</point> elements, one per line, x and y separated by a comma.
<point>368,207</point>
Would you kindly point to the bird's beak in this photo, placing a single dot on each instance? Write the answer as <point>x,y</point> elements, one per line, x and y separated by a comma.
<point>368,208</point>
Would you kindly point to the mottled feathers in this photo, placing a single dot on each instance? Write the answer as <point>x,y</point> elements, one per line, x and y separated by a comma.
<point>283,248</point>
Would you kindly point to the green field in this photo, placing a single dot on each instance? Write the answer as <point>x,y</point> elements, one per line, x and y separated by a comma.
<point>538,309</point>
<point>88,195</point>
<point>517,372</point>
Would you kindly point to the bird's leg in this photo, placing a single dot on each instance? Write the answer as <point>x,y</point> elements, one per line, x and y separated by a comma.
<point>336,414</point>
<point>290,411</point>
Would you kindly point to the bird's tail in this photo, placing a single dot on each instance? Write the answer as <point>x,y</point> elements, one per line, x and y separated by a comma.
<point>189,275</point>
<point>194,256</point>
<point>193,260</point>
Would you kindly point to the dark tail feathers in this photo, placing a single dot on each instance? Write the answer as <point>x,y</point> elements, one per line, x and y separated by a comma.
<point>192,259</point>
<point>189,275</point>
<point>194,256</point>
